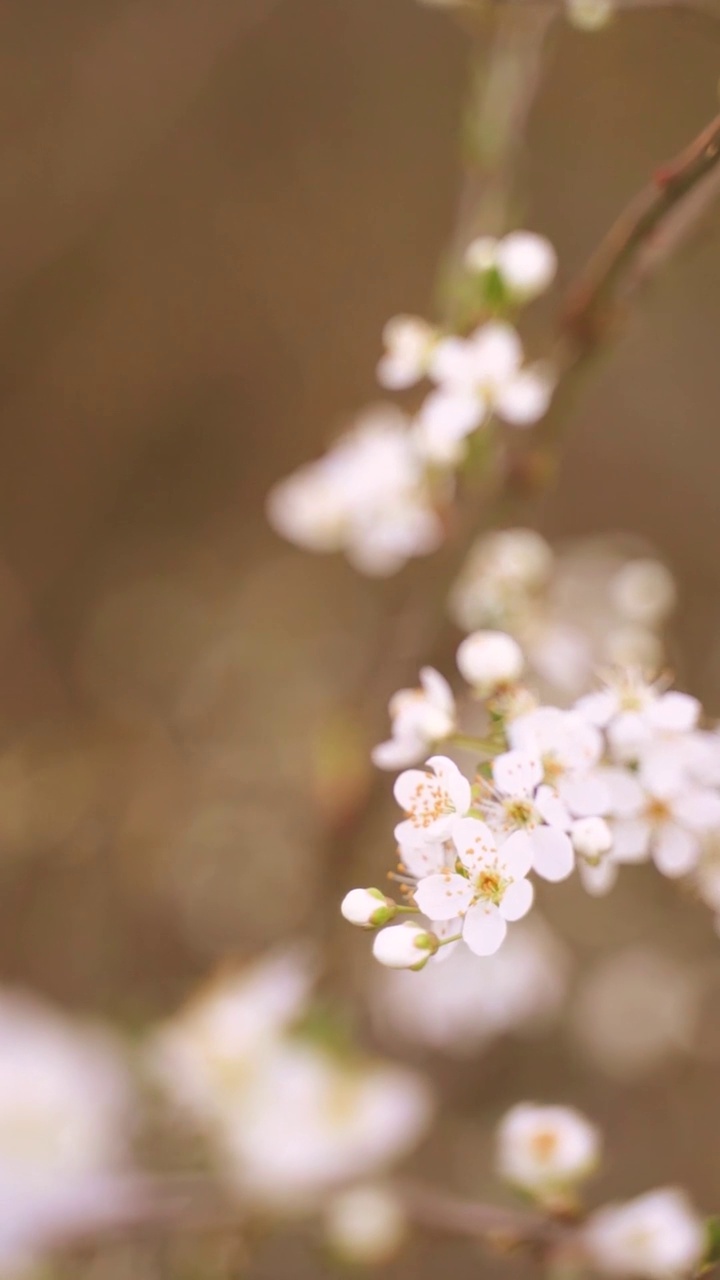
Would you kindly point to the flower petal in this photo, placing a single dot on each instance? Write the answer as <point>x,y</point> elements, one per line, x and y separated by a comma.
<point>699,810</point>
<point>443,897</point>
<point>553,854</point>
<point>515,855</point>
<point>597,878</point>
<point>552,809</point>
<point>398,753</point>
<point>525,398</point>
<point>438,690</point>
<point>517,773</point>
<point>453,782</point>
<point>475,843</point>
<point>585,794</point>
<point>484,929</point>
<point>631,839</point>
<point>675,851</point>
<point>674,712</point>
<point>517,900</point>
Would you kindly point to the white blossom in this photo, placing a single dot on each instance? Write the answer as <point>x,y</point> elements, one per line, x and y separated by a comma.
<point>65,1129</point>
<point>420,719</point>
<point>657,1236</point>
<point>525,261</point>
<point>404,946</point>
<point>365,1224</point>
<point>366,908</point>
<point>490,890</point>
<point>409,342</point>
<point>569,749</point>
<point>634,713</point>
<point>523,802</point>
<point>489,659</point>
<point>644,591</point>
<point>310,1121</point>
<point>431,800</point>
<point>367,496</point>
<point>546,1150</point>
<point>205,1055</point>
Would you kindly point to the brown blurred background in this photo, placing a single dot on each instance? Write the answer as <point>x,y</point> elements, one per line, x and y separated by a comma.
<point>209,211</point>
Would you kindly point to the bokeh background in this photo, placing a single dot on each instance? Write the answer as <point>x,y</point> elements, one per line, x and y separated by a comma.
<point>209,211</point>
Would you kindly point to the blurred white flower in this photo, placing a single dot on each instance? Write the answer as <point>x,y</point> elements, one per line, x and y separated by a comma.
<point>404,946</point>
<point>431,800</point>
<point>420,719</point>
<point>491,890</point>
<point>365,1224</point>
<point>635,712</point>
<point>526,262</point>
<point>409,342</point>
<point>568,749</point>
<point>366,496</point>
<point>546,1150</point>
<point>445,1007</point>
<point>204,1056</point>
<point>66,1123</point>
<point>634,1009</point>
<point>644,591</point>
<point>488,660</point>
<point>309,1122</point>
<point>657,1236</point>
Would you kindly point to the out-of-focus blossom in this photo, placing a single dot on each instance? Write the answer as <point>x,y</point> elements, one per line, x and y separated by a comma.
<point>421,718</point>
<point>207,1052</point>
<point>488,660</point>
<point>491,891</point>
<point>634,1009</point>
<point>635,713</point>
<point>365,1225</point>
<point>546,1150</point>
<point>525,262</point>
<point>65,1129</point>
<point>367,496</point>
<point>446,1007</point>
<point>409,342</point>
<point>644,592</point>
<point>309,1121</point>
<point>657,1236</point>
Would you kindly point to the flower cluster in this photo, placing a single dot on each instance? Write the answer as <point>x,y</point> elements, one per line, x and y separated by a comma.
<point>288,1117</point>
<point>593,602</point>
<point>380,492</point>
<point>625,775</point>
<point>547,1152</point>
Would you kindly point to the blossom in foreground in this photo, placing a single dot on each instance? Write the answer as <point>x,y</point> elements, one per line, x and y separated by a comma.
<point>432,801</point>
<point>546,1150</point>
<point>524,802</point>
<point>525,262</point>
<point>367,496</point>
<point>310,1121</point>
<point>65,1129</point>
<point>489,890</point>
<point>420,719</point>
<point>657,1236</point>
<point>205,1055</point>
<point>404,946</point>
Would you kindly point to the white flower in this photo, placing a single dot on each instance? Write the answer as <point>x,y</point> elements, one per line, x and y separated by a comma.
<point>660,813</point>
<point>367,496</point>
<point>489,659</point>
<point>546,1150</point>
<point>644,592</point>
<point>526,262</point>
<point>504,573</point>
<point>408,344</point>
<point>365,1224</point>
<point>482,375</point>
<point>432,801</point>
<point>634,712</point>
<point>445,1007</point>
<point>592,842</point>
<point>367,908</point>
<point>65,1130</point>
<point>310,1121</point>
<point>491,890</point>
<point>404,946</point>
<point>657,1236</point>
<point>204,1056</point>
<point>569,749</point>
<point>524,803</point>
<point>420,718</point>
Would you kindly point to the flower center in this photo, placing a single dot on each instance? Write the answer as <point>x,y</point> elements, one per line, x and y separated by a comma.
<point>520,813</point>
<point>428,803</point>
<point>544,1145</point>
<point>490,885</point>
<point>657,810</point>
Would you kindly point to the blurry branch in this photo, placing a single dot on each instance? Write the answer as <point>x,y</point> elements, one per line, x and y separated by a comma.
<point>505,1228</point>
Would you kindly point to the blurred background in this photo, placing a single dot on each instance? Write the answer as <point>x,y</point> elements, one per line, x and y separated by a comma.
<point>210,210</point>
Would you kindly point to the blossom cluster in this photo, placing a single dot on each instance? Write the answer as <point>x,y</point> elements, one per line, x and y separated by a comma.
<point>625,775</point>
<point>381,492</point>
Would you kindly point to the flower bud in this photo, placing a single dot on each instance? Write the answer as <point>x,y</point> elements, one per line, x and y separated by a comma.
<point>365,1225</point>
<point>490,659</point>
<point>404,946</point>
<point>591,838</point>
<point>367,908</point>
<point>527,263</point>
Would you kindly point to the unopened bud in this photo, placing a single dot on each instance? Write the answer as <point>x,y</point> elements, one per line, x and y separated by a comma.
<point>405,946</point>
<point>368,908</point>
